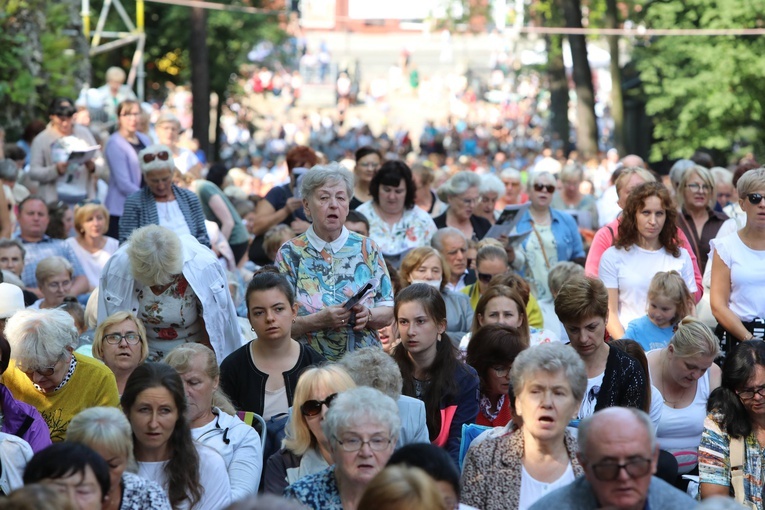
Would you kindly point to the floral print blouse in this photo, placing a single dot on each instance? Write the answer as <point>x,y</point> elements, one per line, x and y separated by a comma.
<point>318,491</point>
<point>414,229</point>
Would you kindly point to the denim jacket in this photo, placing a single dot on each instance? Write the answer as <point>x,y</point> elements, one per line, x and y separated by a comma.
<point>564,230</point>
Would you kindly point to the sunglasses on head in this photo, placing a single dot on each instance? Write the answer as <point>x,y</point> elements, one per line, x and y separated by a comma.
<point>162,156</point>
<point>313,407</point>
<point>754,198</point>
<point>550,188</point>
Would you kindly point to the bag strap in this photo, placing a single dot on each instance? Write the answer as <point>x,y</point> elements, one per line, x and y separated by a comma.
<point>737,468</point>
<point>541,245</point>
<point>692,231</point>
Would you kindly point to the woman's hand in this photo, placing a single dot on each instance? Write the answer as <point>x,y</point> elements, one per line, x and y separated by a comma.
<point>363,316</point>
<point>335,317</point>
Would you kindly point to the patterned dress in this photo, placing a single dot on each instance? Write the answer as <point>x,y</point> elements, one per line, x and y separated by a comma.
<point>318,491</point>
<point>414,229</point>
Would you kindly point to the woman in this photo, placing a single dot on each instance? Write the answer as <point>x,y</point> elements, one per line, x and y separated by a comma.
<point>737,276</point>
<point>513,195</point>
<point>168,130</point>
<point>60,220</point>
<point>613,377</point>
<point>395,224</point>
<point>491,353</point>
<point>685,374</point>
<point>426,265</point>
<point>176,287</point>
<point>107,431</point>
<point>734,428</point>
<point>121,153</point>
<point>54,279</point>
<point>46,372</point>
<point>193,475</point>
<point>460,193</point>
<point>553,235</point>
<point>647,244</point>
<point>91,246</point>
<point>120,342</point>
<point>402,488</point>
<point>570,198</point>
<point>327,265</point>
<point>489,191</point>
<point>699,221</point>
<point>425,198</point>
<point>514,470</point>
<point>161,202</point>
<point>490,261</point>
<point>362,427</point>
<point>213,421</point>
<point>261,376</point>
<point>305,449</point>
<point>368,162</point>
<point>430,368</point>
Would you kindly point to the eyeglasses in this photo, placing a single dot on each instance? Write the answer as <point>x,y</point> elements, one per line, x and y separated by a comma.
<point>695,187</point>
<point>313,407</point>
<point>469,201</point>
<point>130,114</point>
<point>748,393</point>
<point>484,277</point>
<point>513,184</point>
<point>367,165</point>
<point>59,285</point>
<point>609,471</point>
<point>354,444</point>
<point>161,155</point>
<point>550,188</point>
<point>754,198</point>
<point>501,371</point>
<point>116,338</point>
<point>43,371</point>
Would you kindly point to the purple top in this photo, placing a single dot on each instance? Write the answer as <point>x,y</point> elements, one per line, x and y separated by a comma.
<point>24,421</point>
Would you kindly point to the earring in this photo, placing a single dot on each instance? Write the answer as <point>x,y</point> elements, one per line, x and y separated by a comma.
<point>252,329</point>
<point>294,319</point>
<point>438,338</point>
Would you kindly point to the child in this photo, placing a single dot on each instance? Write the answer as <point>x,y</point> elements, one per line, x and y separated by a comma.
<point>669,300</point>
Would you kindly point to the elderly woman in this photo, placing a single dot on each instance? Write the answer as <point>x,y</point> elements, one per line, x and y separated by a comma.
<point>168,129</point>
<point>362,428</point>
<point>121,154</point>
<point>730,440</point>
<point>54,279</point>
<point>176,287</point>
<point>368,162</point>
<point>425,198</point>
<point>327,265</point>
<point>91,246</point>
<point>120,342</point>
<point>570,198</point>
<point>737,276</point>
<point>514,470</point>
<point>46,372</point>
<point>305,449</point>
<point>647,244</point>
<point>513,194</point>
<point>492,351</point>
<point>698,220</point>
<point>395,224</point>
<point>489,191</point>
<point>553,235</point>
<point>161,202</point>
<point>460,193</point>
<point>213,420</point>
<point>107,431</point>
<point>426,265</point>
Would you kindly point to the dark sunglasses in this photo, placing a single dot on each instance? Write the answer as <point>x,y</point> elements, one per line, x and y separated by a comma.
<point>313,407</point>
<point>485,278</point>
<point>162,156</point>
<point>550,188</point>
<point>754,198</point>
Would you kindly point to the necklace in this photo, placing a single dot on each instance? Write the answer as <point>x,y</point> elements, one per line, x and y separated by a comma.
<point>671,403</point>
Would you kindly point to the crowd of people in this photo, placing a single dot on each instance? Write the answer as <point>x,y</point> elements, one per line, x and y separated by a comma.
<point>354,332</point>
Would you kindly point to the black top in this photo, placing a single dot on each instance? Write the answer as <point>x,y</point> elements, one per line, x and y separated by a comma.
<point>277,197</point>
<point>624,383</point>
<point>245,385</point>
<point>355,202</point>
<point>480,225</point>
<point>709,231</point>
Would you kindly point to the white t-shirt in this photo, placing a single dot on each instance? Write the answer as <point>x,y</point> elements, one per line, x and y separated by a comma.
<point>533,490</point>
<point>630,271</point>
<point>93,263</point>
<point>747,279</point>
<point>171,216</point>
<point>590,399</point>
<point>185,160</point>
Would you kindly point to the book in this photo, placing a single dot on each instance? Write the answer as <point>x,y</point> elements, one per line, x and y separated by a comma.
<point>507,220</point>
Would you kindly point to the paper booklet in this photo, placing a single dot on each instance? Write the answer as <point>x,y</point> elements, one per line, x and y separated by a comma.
<point>507,220</point>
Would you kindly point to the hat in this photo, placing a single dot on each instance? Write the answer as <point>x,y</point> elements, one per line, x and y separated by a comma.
<point>62,106</point>
<point>11,300</point>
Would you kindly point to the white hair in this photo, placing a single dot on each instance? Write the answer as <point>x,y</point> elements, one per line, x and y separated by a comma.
<point>155,254</point>
<point>362,403</point>
<point>40,337</point>
<point>458,184</point>
<point>489,183</point>
<point>156,164</point>
<point>319,175</point>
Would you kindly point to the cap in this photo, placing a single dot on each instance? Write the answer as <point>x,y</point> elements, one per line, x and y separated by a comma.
<point>11,300</point>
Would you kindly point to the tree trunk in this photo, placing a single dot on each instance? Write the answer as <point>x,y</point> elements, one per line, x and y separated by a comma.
<point>200,78</point>
<point>617,98</point>
<point>218,131</point>
<point>587,128</point>
<point>556,71</point>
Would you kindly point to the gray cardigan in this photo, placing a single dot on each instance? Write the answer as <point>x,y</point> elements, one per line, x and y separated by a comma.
<point>459,315</point>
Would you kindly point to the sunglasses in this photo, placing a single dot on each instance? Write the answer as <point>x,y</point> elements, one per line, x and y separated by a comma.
<point>313,407</point>
<point>550,188</point>
<point>43,371</point>
<point>162,156</point>
<point>484,277</point>
<point>609,471</point>
<point>754,198</point>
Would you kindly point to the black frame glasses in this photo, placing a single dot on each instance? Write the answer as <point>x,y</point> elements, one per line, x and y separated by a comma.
<point>550,188</point>
<point>161,155</point>
<point>608,471</point>
<point>313,407</point>
<point>749,393</point>
<point>754,198</point>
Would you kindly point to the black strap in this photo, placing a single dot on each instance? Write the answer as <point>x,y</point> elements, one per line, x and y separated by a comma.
<point>613,238</point>
<point>24,428</point>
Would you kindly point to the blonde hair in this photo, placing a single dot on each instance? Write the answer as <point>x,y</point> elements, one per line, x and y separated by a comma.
<point>670,285</point>
<point>273,239</point>
<point>624,177</point>
<point>402,488</point>
<point>705,175</point>
<point>415,258</point>
<point>694,338</point>
<point>50,267</point>
<point>113,320</point>
<point>155,254</point>
<point>103,427</point>
<point>115,74</point>
<point>335,379</point>
<point>83,213</point>
<point>180,359</point>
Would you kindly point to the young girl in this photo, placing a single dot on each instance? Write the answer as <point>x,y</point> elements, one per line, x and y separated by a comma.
<point>669,300</point>
<point>430,368</point>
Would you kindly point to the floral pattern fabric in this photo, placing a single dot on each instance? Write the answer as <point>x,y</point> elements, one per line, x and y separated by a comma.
<point>414,229</point>
<point>318,491</point>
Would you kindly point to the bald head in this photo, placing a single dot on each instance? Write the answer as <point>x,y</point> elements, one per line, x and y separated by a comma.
<point>620,421</point>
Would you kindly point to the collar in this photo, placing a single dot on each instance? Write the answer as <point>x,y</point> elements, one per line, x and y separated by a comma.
<point>45,239</point>
<point>320,244</point>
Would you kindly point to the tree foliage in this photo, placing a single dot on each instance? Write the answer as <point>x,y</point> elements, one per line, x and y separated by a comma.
<point>704,91</point>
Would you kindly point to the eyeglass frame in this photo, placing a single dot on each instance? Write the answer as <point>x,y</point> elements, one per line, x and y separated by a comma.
<point>696,187</point>
<point>123,337</point>
<point>754,198</point>
<point>59,285</point>
<point>383,444</point>
<point>501,372</point>
<point>317,403</point>
<point>596,468</point>
<point>754,391</point>
<point>43,371</point>
<point>549,188</point>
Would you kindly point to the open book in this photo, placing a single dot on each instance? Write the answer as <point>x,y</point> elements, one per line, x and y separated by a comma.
<point>81,156</point>
<point>507,220</point>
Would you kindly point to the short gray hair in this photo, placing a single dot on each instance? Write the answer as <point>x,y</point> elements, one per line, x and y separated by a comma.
<point>562,272</point>
<point>50,267</point>
<point>373,367</point>
<point>705,176</point>
<point>572,170</point>
<point>510,173</point>
<point>319,175</point>
<point>722,175</point>
<point>156,163</point>
<point>357,404</point>
<point>458,184</point>
<point>677,171</point>
<point>155,254</point>
<point>535,176</point>
<point>489,183</point>
<point>583,432</point>
<point>550,357</point>
<point>103,427</point>
<point>437,241</point>
<point>751,181</point>
<point>8,170</point>
<point>40,337</point>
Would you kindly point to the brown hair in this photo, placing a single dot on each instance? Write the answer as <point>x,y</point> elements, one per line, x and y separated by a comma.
<point>581,298</point>
<point>628,231</point>
<point>414,259</point>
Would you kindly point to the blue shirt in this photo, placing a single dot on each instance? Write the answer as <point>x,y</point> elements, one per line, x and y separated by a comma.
<point>46,247</point>
<point>647,334</point>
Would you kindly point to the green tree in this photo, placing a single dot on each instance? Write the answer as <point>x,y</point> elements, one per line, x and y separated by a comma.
<point>704,91</point>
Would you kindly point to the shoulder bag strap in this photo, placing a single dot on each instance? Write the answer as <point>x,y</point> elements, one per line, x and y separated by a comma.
<point>737,468</point>
<point>541,245</point>
<point>692,231</point>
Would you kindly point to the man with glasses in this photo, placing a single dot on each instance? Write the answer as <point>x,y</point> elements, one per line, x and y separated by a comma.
<point>618,451</point>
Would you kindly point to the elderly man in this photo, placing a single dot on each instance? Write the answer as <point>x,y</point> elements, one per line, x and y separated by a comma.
<point>453,245</point>
<point>618,451</point>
